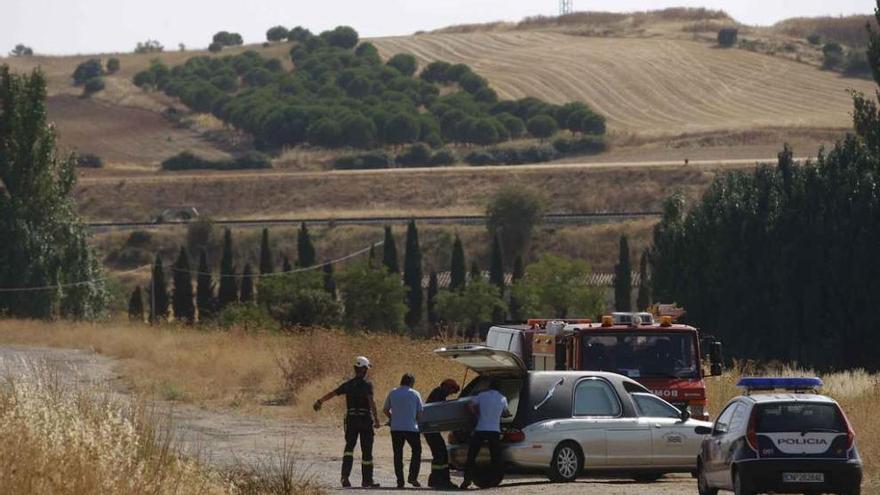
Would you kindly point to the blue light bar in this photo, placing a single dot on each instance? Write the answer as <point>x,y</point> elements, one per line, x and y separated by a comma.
<point>774,383</point>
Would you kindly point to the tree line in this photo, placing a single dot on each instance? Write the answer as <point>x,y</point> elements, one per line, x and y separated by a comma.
<point>781,262</point>
<point>341,94</point>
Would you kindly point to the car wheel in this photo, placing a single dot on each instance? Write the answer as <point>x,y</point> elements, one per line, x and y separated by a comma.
<point>567,463</point>
<point>488,478</point>
<point>741,486</point>
<point>647,477</point>
<point>703,486</point>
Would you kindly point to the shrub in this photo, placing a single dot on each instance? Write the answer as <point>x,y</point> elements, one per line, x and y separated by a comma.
<point>727,36</point>
<point>833,56</point>
<point>299,299</point>
<point>586,145</point>
<point>443,157</point>
<point>343,37</point>
<point>405,63</point>
<point>814,39</point>
<point>436,72</point>
<point>89,160</point>
<point>21,50</point>
<point>113,65</point>
<point>188,161</point>
<point>149,46</point>
<point>542,126</point>
<point>417,155</point>
<point>299,34</point>
<point>277,33</point>
<point>373,298</point>
<point>93,86</point>
<point>87,70</point>
<point>471,82</point>
<point>248,317</point>
<point>251,161</point>
<point>512,156</point>
<point>215,47</point>
<point>856,64</point>
<point>481,158</point>
<point>225,38</point>
<point>371,160</point>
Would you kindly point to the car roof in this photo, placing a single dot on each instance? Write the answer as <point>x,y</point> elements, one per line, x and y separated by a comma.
<point>612,377</point>
<point>768,398</point>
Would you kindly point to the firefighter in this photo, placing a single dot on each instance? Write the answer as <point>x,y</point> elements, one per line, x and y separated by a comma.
<point>360,420</point>
<point>439,477</point>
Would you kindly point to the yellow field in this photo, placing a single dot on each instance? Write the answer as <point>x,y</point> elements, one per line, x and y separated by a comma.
<point>647,86</point>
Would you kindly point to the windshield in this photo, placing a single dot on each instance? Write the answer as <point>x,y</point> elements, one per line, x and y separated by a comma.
<point>799,417</point>
<point>641,355</point>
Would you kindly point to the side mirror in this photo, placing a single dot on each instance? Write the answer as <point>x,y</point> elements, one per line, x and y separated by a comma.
<point>703,430</point>
<point>716,358</point>
<point>685,414</point>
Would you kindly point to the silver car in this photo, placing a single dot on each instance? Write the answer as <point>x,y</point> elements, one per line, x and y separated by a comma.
<point>568,423</point>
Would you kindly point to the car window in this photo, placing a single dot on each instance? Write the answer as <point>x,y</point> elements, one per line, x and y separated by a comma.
<point>740,419</point>
<point>722,424</point>
<point>651,406</point>
<point>800,416</point>
<point>594,397</point>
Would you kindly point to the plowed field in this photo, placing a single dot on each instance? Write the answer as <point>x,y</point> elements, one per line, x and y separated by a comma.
<point>647,86</point>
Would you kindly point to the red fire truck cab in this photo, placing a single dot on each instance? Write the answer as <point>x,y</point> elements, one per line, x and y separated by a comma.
<point>666,357</point>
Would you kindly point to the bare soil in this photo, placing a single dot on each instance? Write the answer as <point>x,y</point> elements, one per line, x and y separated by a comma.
<point>224,438</point>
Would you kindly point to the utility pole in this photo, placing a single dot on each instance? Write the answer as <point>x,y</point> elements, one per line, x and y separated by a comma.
<point>566,7</point>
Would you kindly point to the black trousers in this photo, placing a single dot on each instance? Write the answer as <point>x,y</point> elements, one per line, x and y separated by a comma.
<point>358,427</point>
<point>439,460</point>
<point>398,438</point>
<point>478,438</point>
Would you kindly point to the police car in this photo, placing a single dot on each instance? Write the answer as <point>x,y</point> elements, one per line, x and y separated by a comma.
<point>780,437</point>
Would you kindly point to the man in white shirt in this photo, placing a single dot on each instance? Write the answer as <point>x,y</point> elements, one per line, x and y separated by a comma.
<point>489,406</point>
<point>404,407</point>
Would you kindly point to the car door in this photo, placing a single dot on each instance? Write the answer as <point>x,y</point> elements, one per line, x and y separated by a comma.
<point>718,455</point>
<point>672,440</point>
<point>453,415</point>
<point>598,405</point>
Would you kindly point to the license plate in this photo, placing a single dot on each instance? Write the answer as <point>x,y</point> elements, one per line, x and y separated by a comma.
<point>803,477</point>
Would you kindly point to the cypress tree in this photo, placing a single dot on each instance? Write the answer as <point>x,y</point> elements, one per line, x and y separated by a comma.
<point>329,281</point>
<point>389,252</point>
<point>371,259</point>
<point>476,273</point>
<point>412,276</point>
<point>136,306</point>
<point>158,292</point>
<point>643,301</point>
<point>518,273</point>
<point>433,289</point>
<point>205,289</point>
<point>228,293</point>
<point>305,248</point>
<point>247,285</point>
<point>623,278</point>
<point>266,263</point>
<point>457,270</point>
<point>286,267</point>
<point>182,297</point>
<point>496,268</point>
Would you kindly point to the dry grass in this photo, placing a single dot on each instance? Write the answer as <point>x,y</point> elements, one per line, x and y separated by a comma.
<point>857,391</point>
<point>57,438</point>
<point>849,30</point>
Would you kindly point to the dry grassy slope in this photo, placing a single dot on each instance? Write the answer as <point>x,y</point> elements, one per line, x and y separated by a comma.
<point>647,86</point>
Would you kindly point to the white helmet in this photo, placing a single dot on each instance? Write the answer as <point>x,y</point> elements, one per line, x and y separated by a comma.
<point>362,362</point>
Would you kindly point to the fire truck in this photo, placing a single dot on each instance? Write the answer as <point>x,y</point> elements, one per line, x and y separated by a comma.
<point>666,357</point>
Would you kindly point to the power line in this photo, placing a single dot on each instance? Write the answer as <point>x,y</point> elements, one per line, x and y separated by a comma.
<point>71,284</point>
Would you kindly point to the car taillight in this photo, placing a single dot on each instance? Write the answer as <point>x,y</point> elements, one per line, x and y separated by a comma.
<point>850,433</point>
<point>513,436</point>
<point>752,432</point>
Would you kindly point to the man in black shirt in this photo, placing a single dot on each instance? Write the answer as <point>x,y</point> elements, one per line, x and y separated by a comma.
<point>360,420</point>
<point>439,477</point>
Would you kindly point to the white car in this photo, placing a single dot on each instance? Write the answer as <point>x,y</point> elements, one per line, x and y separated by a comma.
<point>568,423</point>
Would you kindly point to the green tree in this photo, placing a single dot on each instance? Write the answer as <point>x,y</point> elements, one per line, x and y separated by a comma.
<point>465,310</point>
<point>542,126</point>
<point>305,249</point>
<point>431,303</point>
<point>205,301</point>
<point>299,299</point>
<point>228,293</point>
<point>113,65</point>
<point>158,293</point>
<point>402,129</point>
<point>556,287</point>
<point>518,273</point>
<point>21,50</point>
<point>286,267</point>
<point>330,281</point>
<point>93,85</point>
<point>457,269</point>
<point>623,278</point>
<point>225,38</point>
<point>389,252</point>
<point>182,295</point>
<point>513,214</point>
<point>149,46</point>
<point>483,132</point>
<point>246,293</point>
<point>89,69</point>
<point>277,33</point>
<point>476,273</point>
<point>42,239</point>
<point>496,266</point>
<point>727,36</point>
<point>373,298</point>
<point>412,277</point>
<point>405,63</point>
<point>359,132</point>
<point>342,37</point>
<point>643,299</point>
<point>267,264</point>
<point>136,306</point>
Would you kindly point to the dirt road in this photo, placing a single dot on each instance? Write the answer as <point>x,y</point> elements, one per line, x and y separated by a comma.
<point>225,438</point>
